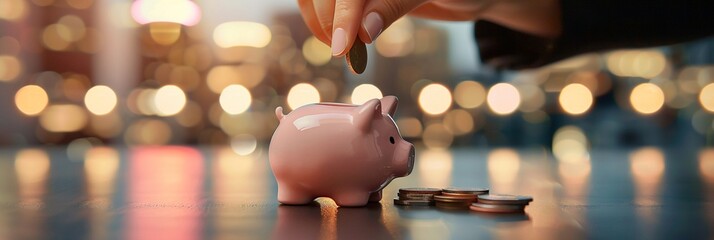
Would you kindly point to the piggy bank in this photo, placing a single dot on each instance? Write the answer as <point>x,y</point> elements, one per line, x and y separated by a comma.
<point>345,152</point>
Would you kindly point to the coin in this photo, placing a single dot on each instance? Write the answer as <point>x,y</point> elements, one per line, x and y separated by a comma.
<point>357,57</point>
<point>412,202</point>
<point>501,199</point>
<point>465,195</point>
<point>453,204</point>
<point>415,196</point>
<point>461,197</point>
<point>477,191</point>
<point>434,191</point>
<point>480,207</point>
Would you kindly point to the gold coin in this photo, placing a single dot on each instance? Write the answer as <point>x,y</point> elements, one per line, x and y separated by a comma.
<point>357,57</point>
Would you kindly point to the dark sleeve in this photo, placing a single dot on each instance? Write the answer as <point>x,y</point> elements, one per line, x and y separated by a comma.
<point>594,25</point>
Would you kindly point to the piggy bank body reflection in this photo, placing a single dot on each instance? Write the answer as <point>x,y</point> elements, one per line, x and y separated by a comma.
<point>345,152</point>
<point>325,221</point>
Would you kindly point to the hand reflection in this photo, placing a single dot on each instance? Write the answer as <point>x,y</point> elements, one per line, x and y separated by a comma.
<point>323,220</point>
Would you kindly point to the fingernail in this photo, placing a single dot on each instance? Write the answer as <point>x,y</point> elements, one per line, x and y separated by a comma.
<point>339,41</point>
<point>373,24</point>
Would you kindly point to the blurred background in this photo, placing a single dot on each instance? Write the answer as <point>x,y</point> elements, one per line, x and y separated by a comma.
<point>82,73</point>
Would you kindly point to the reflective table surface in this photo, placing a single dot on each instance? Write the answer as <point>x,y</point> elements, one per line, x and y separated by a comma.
<point>181,192</point>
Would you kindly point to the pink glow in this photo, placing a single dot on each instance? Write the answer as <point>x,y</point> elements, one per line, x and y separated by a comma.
<point>176,11</point>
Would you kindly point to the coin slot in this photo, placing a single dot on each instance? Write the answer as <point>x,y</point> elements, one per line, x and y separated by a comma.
<point>391,140</point>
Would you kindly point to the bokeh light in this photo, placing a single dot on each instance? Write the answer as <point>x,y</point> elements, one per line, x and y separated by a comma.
<point>459,122</point>
<point>235,99</point>
<point>637,63</point>
<point>647,98</point>
<point>706,97</point>
<point>570,145</point>
<point>148,132</point>
<point>173,11</point>
<point>435,99</point>
<point>316,52</point>
<point>706,165</point>
<point>52,37</point>
<point>503,165</point>
<point>241,34</point>
<point>302,94</point>
<point>63,118</point>
<point>409,127</point>
<point>365,92</point>
<point>165,33</point>
<point>397,40</point>
<point>575,99</point>
<point>647,165</point>
<point>10,68</point>
<point>532,98</point>
<point>435,167</point>
<point>12,10</point>
<point>469,94</point>
<point>244,144</point>
<point>169,100</point>
<point>100,168</point>
<point>32,167</point>
<point>75,26</point>
<point>437,136</point>
<point>31,100</point>
<point>503,99</point>
<point>100,100</point>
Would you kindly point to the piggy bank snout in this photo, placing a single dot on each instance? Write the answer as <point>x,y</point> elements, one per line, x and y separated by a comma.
<point>404,159</point>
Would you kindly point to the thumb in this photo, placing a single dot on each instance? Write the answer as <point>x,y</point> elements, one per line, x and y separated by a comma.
<point>380,14</point>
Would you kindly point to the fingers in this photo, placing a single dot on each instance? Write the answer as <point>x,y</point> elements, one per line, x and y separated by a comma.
<point>347,17</point>
<point>378,15</point>
<point>313,23</point>
<point>325,12</point>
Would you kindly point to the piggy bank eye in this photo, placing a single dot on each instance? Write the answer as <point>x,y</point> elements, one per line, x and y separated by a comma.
<point>391,140</point>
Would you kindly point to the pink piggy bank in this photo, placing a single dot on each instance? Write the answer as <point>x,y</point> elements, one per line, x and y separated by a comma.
<point>345,152</point>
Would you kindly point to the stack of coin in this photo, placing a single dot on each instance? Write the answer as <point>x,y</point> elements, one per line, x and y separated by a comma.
<point>501,203</point>
<point>473,191</point>
<point>458,198</point>
<point>416,196</point>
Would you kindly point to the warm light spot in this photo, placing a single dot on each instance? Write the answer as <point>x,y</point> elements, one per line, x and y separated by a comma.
<point>174,11</point>
<point>100,100</point>
<point>706,165</point>
<point>365,92</point>
<point>503,99</point>
<point>459,122</point>
<point>647,165</point>
<point>435,167</point>
<point>169,100</point>
<point>32,167</point>
<point>80,4</point>
<point>532,98</point>
<point>469,94</point>
<point>302,94</point>
<point>409,127</point>
<point>244,144</point>
<point>503,165</point>
<point>12,10</point>
<point>165,33</point>
<point>706,97</point>
<point>219,77</point>
<point>31,100</point>
<point>241,34</point>
<point>570,145</point>
<point>148,132</point>
<point>10,68</point>
<point>397,40</point>
<point>106,126</point>
<point>647,98</point>
<point>52,37</point>
<point>100,168</point>
<point>575,99</point>
<point>235,99</point>
<point>63,118</point>
<point>436,136</point>
<point>637,63</point>
<point>435,99</point>
<point>75,26</point>
<point>316,52</point>
<point>191,115</point>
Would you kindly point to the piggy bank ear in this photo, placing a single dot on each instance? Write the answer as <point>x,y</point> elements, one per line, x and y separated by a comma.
<point>389,105</point>
<point>366,113</point>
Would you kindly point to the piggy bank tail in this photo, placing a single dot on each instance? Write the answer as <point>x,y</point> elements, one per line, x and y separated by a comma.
<point>279,113</point>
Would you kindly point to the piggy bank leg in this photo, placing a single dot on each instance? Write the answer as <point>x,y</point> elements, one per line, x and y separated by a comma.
<point>292,195</point>
<point>351,199</point>
<point>376,196</point>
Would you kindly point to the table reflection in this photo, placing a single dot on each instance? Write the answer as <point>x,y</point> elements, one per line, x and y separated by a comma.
<point>215,192</point>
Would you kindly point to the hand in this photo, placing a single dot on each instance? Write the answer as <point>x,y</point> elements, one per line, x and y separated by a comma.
<point>338,22</point>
